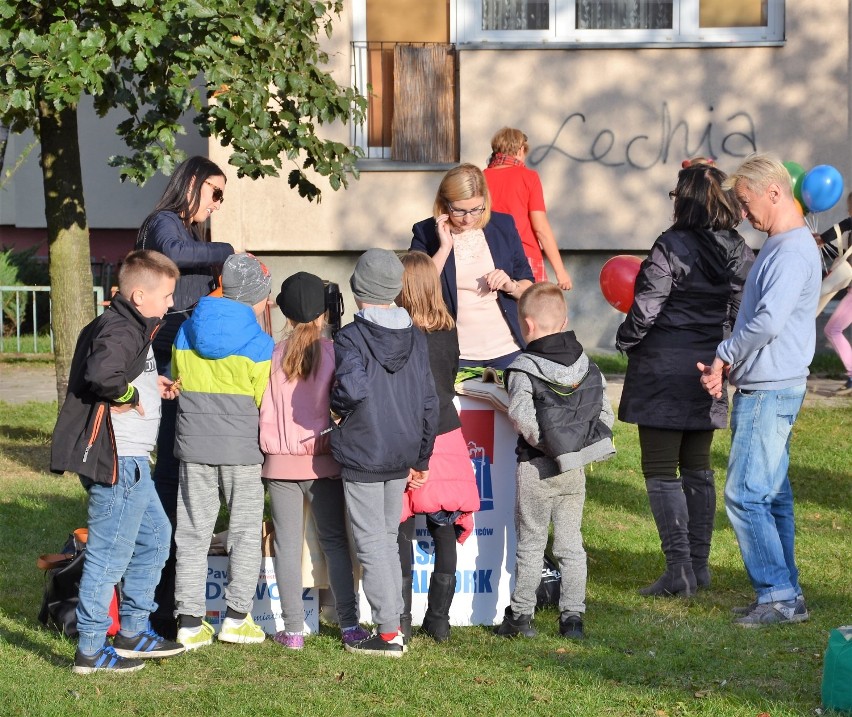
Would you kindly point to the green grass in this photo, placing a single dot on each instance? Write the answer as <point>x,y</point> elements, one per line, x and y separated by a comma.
<point>40,350</point>
<point>646,657</point>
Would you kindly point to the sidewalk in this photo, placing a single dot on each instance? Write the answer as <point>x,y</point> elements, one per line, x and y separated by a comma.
<point>20,382</point>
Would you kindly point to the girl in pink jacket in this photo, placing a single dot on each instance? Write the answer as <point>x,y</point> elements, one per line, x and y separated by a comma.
<point>298,465</point>
<point>449,496</point>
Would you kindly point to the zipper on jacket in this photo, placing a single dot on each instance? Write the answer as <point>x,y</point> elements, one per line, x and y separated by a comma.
<point>99,417</point>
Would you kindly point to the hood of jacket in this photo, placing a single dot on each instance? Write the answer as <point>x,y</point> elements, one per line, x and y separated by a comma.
<point>557,358</point>
<point>388,342</point>
<point>719,254</point>
<point>125,309</point>
<point>220,327</point>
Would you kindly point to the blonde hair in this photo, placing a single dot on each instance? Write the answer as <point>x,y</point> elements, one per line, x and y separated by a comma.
<point>421,293</point>
<point>303,352</point>
<point>463,182</point>
<point>545,303</point>
<point>509,140</point>
<point>144,268</point>
<point>758,171</point>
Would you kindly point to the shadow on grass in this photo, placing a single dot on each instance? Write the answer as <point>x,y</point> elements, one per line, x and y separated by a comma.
<point>22,640</point>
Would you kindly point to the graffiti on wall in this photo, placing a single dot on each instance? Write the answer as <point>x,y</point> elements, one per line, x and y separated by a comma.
<point>734,136</point>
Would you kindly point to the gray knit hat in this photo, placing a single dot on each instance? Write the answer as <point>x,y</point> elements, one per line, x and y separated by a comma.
<point>245,279</point>
<point>377,278</point>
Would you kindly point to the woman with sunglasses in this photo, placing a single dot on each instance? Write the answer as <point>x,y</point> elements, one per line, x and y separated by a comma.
<point>176,228</point>
<point>483,269</point>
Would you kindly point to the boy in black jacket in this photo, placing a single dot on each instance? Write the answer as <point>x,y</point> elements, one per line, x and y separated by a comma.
<point>105,432</point>
<point>559,408</point>
<point>388,408</point>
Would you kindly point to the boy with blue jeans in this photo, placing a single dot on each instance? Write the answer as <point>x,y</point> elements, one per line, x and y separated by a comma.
<point>385,396</point>
<point>105,432</point>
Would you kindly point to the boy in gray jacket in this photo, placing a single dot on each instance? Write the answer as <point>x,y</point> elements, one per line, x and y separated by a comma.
<point>559,408</point>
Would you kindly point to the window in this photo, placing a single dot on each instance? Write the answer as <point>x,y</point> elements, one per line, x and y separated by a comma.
<point>620,22</point>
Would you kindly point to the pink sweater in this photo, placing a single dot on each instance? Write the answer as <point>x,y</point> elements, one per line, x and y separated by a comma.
<point>292,416</point>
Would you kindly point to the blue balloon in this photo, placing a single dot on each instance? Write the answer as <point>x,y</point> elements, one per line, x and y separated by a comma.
<point>822,188</point>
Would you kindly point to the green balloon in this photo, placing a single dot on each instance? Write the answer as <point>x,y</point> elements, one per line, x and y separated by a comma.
<point>797,174</point>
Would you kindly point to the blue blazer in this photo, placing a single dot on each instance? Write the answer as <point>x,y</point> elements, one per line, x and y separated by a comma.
<point>503,241</point>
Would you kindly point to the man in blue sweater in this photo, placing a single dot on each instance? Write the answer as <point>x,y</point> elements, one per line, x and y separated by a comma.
<point>768,354</point>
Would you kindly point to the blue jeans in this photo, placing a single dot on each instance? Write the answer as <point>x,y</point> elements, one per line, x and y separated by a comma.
<point>758,496</point>
<point>129,537</point>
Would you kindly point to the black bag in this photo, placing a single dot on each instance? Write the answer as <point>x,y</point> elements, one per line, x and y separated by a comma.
<point>62,589</point>
<point>550,586</point>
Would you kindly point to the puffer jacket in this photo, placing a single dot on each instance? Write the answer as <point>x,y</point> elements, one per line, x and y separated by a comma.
<point>294,416</point>
<point>222,358</point>
<point>686,299</point>
<point>578,431</point>
<point>110,353</point>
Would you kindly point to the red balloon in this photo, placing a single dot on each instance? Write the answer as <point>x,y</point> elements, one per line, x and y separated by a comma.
<point>618,277</point>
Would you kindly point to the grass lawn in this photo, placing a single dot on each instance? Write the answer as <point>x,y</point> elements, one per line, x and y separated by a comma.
<point>643,656</point>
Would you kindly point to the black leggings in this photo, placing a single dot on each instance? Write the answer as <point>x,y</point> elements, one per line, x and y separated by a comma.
<point>663,450</point>
<point>445,546</point>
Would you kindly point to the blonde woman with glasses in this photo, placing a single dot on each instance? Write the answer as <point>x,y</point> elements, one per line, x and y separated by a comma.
<point>483,269</point>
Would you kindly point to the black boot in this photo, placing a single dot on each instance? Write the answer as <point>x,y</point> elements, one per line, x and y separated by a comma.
<point>514,625</point>
<point>436,621</point>
<point>700,490</point>
<point>405,617</point>
<point>668,505</point>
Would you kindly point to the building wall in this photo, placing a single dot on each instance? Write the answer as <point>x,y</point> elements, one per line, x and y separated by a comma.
<point>608,130</point>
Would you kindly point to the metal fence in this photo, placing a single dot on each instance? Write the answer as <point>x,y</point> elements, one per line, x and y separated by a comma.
<point>20,307</point>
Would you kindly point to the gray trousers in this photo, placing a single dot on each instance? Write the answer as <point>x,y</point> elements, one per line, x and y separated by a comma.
<point>325,497</point>
<point>374,511</point>
<point>197,510</point>
<point>538,503</point>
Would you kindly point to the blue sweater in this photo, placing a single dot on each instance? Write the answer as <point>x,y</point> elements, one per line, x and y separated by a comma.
<point>774,336</point>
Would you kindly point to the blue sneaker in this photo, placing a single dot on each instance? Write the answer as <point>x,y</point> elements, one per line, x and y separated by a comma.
<point>104,660</point>
<point>146,645</point>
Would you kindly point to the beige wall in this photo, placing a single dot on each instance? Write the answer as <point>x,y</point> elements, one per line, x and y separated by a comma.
<point>608,130</point>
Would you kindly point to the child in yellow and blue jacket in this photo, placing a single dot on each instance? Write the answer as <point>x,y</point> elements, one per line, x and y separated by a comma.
<point>221,358</point>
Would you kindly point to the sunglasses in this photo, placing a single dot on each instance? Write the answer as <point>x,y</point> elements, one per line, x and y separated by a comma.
<point>218,192</point>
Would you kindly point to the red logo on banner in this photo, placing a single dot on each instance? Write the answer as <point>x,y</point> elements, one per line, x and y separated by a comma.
<point>478,428</point>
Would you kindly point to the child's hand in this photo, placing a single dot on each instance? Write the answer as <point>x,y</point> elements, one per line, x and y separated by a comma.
<point>125,407</point>
<point>169,390</point>
<point>417,479</point>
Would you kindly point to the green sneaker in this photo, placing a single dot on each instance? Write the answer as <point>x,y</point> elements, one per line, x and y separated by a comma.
<point>194,637</point>
<point>242,631</point>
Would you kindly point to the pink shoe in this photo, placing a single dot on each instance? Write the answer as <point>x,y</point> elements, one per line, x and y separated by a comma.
<point>290,640</point>
<point>356,634</point>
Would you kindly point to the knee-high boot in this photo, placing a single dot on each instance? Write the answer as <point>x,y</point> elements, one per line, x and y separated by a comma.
<point>700,490</point>
<point>668,506</point>
<point>436,621</point>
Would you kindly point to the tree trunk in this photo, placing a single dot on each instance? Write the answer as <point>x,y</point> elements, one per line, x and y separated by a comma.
<point>72,303</point>
<point>4,136</point>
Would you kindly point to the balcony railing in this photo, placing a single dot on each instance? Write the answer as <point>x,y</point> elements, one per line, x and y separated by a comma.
<point>412,93</point>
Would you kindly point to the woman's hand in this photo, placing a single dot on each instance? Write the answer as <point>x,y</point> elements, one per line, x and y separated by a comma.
<point>442,229</point>
<point>499,280</point>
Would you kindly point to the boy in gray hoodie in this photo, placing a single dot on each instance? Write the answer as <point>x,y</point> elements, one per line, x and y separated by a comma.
<point>558,406</point>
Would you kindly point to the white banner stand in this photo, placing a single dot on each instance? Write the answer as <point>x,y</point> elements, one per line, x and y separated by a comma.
<point>266,611</point>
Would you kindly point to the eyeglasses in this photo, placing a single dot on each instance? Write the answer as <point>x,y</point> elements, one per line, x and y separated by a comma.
<point>218,192</point>
<point>459,213</point>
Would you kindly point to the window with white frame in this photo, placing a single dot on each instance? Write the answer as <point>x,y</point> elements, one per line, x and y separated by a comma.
<point>620,22</point>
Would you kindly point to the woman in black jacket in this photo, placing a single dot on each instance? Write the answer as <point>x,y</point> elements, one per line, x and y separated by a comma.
<point>686,299</point>
<point>176,228</point>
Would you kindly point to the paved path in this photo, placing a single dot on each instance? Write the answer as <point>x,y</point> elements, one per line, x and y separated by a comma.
<point>21,382</point>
